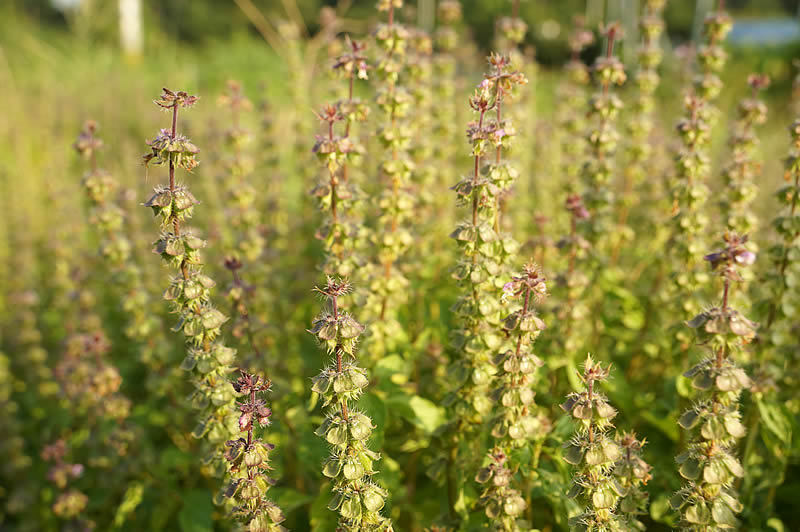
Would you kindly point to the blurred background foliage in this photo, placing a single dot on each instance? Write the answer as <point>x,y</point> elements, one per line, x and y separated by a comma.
<point>204,21</point>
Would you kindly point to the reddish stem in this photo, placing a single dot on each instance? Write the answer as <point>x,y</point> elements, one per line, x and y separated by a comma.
<point>524,312</point>
<point>338,351</point>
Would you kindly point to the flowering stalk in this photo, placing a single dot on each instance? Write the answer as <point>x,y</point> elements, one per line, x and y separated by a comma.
<point>632,473</point>
<point>337,233</point>
<point>244,217</point>
<point>70,504</point>
<point>712,57</point>
<point>419,68</point>
<point>574,280</point>
<point>504,80</point>
<point>446,40</point>
<point>388,286</point>
<point>775,367</point>
<point>350,65</point>
<point>15,464</point>
<point>785,257</point>
<point>116,248</point>
<point>518,421</point>
<point>690,192</point>
<point>336,193</point>
<point>30,360</point>
<point>357,499</point>
<point>602,139</point>
<point>432,69</point>
<point>642,120</point>
<point>88,381</point>
<point>240,294</point>
<point>91,386</point>
<point>248,460</point>
<point>709,466</point>
<point>571,114</point>
<point>739,174</point>
<point>573,145</point>
<point>483,253</point>
<point>510,34</point>
<point>209,360</point>
<point>594,453</point>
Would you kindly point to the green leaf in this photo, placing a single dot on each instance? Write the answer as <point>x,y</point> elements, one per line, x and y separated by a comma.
<point>698,514</point>
<point>351,508</point>
<point>195,515</point>
<point>689,419</point>
<point>690,469</point>
<point>723,515</point>
<point>420,411</point>
<point>374,407</point>
<point>322,518</point>
<point>288,499</point>
<point>776,421</point>
<point>776,524</point>
<point>130,501</point>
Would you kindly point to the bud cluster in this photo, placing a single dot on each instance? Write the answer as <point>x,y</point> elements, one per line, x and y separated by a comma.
<point>743,169</point>
<point>248,460</point>
<point>594,453</point>
<point>709,465</point>
<point>70,504</point>
<point>632,473</point>
<point>518,421</point>
<point>503,503</point>
<point>357,498</point>
<point>711,56</point>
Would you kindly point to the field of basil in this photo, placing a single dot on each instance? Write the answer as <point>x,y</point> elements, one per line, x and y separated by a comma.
<point>392,281</point>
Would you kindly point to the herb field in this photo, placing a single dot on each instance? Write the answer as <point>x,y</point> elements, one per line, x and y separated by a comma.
<point>390,281</point>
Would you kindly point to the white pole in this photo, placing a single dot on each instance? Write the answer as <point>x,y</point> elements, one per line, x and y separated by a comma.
<point>130,26</point>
